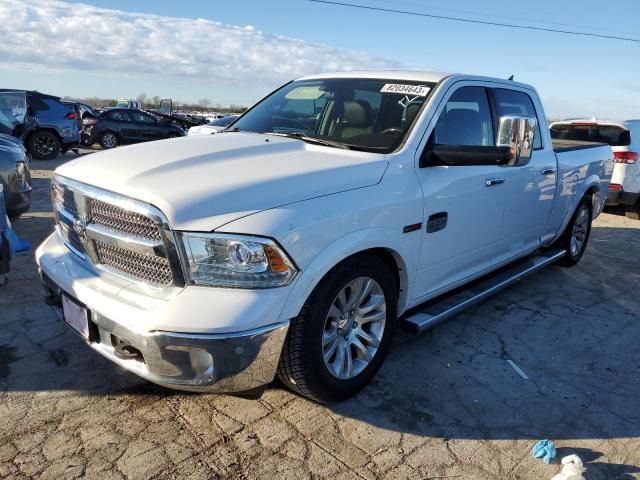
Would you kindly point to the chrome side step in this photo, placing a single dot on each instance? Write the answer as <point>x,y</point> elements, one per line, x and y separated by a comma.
<point>446,306</point>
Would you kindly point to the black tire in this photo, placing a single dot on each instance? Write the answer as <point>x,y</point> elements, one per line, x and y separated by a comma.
<point>108,139</point>
<point>44,145</point>
<point>302,367</point>
<point>633,212</point>
<point>572,257</point>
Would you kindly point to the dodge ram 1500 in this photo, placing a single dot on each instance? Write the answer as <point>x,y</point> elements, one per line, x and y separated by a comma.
<point>295,242</point>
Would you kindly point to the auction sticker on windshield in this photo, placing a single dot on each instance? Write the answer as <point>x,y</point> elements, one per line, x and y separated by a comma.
<point>417,90</point>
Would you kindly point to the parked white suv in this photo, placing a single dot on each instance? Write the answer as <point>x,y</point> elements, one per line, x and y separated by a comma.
<point>295,242</point>
<point>624,138</point>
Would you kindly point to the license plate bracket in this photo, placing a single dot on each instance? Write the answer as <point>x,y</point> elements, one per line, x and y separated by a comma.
<point>76,316</point>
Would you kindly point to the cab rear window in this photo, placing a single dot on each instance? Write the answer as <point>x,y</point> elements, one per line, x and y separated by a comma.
<point>592,132</point>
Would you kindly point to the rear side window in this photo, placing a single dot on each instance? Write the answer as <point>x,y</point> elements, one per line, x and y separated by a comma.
<point>465,120</point>
<point>592,132</point>
<point>512,102</point>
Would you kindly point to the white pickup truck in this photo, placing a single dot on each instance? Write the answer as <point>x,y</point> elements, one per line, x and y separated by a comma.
<point>294,243</point>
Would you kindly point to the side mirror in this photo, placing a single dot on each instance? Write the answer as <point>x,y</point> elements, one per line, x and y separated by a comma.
<point>517,133</point>
<point>464,155</point>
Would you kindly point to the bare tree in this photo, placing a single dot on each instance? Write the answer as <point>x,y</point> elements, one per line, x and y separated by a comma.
<point>205,103</point>
<point>142,98</point>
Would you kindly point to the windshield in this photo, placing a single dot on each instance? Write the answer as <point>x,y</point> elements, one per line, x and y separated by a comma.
<point>362,114</point>
<point>13,109</point>
<point>224,121</point>
<point>592,132</point>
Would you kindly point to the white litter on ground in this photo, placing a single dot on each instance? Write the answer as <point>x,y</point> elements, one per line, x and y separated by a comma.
<point>518,370</point>
<point>572,469</point>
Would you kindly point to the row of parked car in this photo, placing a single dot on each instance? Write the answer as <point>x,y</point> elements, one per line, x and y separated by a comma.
<point>40,126</point>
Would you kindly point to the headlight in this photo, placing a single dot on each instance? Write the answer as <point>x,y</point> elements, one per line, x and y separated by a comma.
<point>235,261</point>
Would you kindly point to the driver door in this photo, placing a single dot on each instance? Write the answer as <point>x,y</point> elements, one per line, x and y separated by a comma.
<point>464,204</point>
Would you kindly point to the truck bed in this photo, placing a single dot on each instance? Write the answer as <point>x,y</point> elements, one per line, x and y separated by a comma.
<point>560,146</point>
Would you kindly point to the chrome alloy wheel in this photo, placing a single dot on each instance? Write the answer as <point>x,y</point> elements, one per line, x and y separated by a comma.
<point>354,328</point>
<point>110,140</point>
<point>579,231</point>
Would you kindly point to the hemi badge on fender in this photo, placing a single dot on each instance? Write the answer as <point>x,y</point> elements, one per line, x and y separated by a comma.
<point>412,228</point>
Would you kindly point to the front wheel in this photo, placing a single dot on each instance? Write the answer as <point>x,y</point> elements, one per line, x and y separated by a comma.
<point>338,342</point>
<point>576,235</point>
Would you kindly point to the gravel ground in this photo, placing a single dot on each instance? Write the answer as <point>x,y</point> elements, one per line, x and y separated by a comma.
<point>444,405</point>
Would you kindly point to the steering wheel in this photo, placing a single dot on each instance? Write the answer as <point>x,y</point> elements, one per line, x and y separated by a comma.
<point>391,131</point>
<point>293,123</point>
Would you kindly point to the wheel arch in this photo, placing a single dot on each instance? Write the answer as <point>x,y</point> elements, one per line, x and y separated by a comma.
<point>362,242</point>
<point>45,129</point>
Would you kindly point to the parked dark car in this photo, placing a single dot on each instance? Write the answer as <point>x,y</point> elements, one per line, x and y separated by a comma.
<point>14,176</point>
<point>119,125</point>
<point>45,125</point>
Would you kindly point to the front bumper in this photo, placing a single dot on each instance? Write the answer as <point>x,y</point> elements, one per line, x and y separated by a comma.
<point>185,341</point>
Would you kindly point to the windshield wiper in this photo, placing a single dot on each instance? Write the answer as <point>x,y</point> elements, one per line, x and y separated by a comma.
<point>306,138</point>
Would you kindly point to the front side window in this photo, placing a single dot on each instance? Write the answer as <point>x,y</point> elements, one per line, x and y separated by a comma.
<point>360,114</point>
<point>512,102</point>
<point>465,120</point>
<point>142,118</point>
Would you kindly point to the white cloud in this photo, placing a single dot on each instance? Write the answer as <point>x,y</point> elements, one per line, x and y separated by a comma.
<point>61,35</point>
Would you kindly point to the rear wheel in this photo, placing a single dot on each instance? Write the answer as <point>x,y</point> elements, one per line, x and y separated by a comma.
<point>44,145</point>
<point>633,212</point>
<point>576,236</point>
<point>108,140</point>
<point>339,340</point>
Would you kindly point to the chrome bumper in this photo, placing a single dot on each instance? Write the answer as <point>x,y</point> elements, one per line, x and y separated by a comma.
<point>194,362</point>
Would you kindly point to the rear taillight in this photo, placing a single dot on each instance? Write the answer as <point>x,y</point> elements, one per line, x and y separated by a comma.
<point>90,121</point>
<point>615,186</point>
<point>72,115</point>
<point>625,157</point>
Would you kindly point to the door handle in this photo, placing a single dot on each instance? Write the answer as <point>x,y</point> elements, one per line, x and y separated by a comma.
<point>548,171</point>
<point>490,182</point>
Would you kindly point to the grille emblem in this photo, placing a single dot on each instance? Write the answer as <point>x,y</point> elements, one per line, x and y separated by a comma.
<point>80,227</point>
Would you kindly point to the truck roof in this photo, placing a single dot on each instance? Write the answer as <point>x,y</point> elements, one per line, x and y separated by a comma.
<point>411,75</point>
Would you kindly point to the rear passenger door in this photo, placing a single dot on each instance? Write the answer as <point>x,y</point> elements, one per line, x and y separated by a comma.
<point>463,204</point>
<point>529,187</point>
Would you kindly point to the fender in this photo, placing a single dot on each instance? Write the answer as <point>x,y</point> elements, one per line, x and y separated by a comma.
<point>345,247</point>
<point>592,182</point>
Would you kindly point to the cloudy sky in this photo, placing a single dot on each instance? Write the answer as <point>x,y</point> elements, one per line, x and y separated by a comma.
<point>235,52</point>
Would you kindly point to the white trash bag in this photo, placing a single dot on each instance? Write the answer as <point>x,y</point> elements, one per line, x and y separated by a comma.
<point>572,469</point>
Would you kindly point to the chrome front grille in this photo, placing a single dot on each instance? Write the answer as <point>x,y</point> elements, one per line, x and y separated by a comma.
<point>154,270</point>
<point>71,238</point>
<point>126,237</point>
<point>121,220</point>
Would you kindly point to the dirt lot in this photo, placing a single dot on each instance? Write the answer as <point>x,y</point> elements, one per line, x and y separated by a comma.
<point>445,405</point>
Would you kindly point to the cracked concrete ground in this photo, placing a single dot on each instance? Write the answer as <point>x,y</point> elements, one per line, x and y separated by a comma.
<point>444,405</point>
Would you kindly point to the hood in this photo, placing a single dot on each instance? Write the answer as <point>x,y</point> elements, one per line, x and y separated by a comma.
<point>10,144</point>
<point>203,182</point>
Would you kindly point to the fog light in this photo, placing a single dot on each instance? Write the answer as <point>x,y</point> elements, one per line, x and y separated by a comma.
<point>202,363</point>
